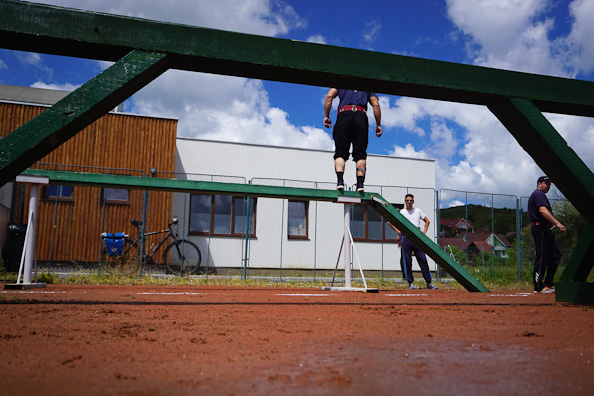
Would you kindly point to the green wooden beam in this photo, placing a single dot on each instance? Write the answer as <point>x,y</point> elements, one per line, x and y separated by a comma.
<point>575,292</point>
<point>40,136</point>
<point>569,173</point>
<point>62,31</point>
<point>201,187</point>
<point>190,186</point>
<point>581,262</point>
<point>550,151</point>
<point>572,286</point>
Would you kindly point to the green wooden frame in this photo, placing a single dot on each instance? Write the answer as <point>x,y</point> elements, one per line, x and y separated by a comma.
<point>391,213</point>
<point>148,48</point>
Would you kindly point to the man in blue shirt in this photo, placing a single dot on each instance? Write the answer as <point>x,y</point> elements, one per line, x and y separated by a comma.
<point>351,127</point>
<point>542,221</point>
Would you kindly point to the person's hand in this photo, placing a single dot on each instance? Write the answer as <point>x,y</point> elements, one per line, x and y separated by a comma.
<point>327,122</point>
<point>561,227</point>
<point>378,131</point>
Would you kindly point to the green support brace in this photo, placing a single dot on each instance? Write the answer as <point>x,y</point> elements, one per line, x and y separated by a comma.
<point>550,151</point>
<point>186,186</point>
<point>40,136</point>
<point>431,249</point>
<point>569,173</point>
<point>572,286</point>
<point>583,253</point>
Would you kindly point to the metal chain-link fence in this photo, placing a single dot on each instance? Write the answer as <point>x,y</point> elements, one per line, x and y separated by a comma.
<point>280,239</point>
<point>489,234</point>
<point>480,231</point>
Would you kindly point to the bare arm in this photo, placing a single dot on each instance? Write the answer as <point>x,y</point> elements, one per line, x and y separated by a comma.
<point>395,229</point>
<point>377,113</point>
<point>426,220</point>
<point>332,93</point>
<point>550,218</point>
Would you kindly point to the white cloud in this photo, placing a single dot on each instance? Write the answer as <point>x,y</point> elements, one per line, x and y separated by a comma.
<point>263,17</point>
<point>213,106</point>
<point>453,204</point>
<point>29,58</point>
<point>224,108</point>
<point>370,32</point>
<point>443,139</point>
<point>579,134</point>
<point>318,38</point>
<point>57,87</point>
<point>408,151</point>
<point>473,151</point>
<point>582,32</point>
<point>509,34</point>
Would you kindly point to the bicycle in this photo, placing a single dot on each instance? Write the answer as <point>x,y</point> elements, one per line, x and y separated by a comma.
<point>180,257</point>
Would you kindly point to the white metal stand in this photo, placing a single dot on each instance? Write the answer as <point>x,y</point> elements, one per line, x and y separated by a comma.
<point>28,259</point>
<point>348,244</point>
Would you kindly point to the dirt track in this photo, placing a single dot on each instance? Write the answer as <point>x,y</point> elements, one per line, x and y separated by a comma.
<point>122,340</point>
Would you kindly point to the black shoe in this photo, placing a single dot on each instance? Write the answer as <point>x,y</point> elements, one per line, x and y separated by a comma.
<point>360,187</point>
<point>340,186</point>
<point>432,286</point>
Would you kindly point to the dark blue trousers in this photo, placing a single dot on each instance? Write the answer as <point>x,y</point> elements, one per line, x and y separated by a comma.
<point>407,249</point>
<point>548,256</point>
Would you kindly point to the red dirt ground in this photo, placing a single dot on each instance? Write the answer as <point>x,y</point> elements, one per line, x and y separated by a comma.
<point>161,340</point>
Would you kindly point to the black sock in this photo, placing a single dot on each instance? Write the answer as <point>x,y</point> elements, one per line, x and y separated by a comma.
<point>360,179</point>
<point>339,175</point>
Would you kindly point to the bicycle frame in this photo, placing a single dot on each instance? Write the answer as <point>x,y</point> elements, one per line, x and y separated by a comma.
<point>141,236</point>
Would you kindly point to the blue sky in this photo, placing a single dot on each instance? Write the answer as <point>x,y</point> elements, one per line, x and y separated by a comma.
<point>473,151</point>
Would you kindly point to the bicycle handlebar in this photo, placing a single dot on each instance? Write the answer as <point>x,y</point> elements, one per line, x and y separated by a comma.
<point>104,235</point>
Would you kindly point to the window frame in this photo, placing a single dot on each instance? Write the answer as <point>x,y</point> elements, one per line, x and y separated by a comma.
<point>115,201</point>
<point>211,230</point>
<point>366,222</point>
<point>299,237</point>
<point>61,198</point>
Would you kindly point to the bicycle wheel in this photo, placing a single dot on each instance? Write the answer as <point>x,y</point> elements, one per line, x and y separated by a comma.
<point>125,265</point>
<point>182,258</point>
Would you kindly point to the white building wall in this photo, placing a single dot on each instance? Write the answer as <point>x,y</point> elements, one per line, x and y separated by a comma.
<point>314,168</point>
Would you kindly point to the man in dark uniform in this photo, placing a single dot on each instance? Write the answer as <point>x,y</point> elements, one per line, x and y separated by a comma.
<point>351,127</point>
<point>548,254</point>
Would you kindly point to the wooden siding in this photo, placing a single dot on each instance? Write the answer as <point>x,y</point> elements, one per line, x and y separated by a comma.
<point>69,231</point>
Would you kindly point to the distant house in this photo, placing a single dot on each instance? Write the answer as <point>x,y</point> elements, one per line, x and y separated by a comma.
<point>479,242</point>
<point>457,224</point>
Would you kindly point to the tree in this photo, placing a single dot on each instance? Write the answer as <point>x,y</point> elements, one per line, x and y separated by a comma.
<point>568,215</point>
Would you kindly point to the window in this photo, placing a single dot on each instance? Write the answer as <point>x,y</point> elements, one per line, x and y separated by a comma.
<point>298,223</point>
<point>222,215</point>
<point>59,192</point>
<point>369,226</point>
<point>115,196</point>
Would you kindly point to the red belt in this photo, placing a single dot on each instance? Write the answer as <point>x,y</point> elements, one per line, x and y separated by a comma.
<point>542,223</point>
<point>350,108</point>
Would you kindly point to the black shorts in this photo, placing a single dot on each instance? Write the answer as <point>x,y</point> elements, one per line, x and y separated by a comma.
<point>352,127</point>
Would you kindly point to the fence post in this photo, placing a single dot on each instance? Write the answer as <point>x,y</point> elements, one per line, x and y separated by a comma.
<point>437,217</point>
<point>315,235</point>
<point>519,238</point>
<point>247,206</point>
<point>143,231</point>
<point>280,268</point>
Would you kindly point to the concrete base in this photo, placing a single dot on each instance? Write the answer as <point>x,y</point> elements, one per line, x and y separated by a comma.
<point>355,289</point>
<point>24,286</point>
